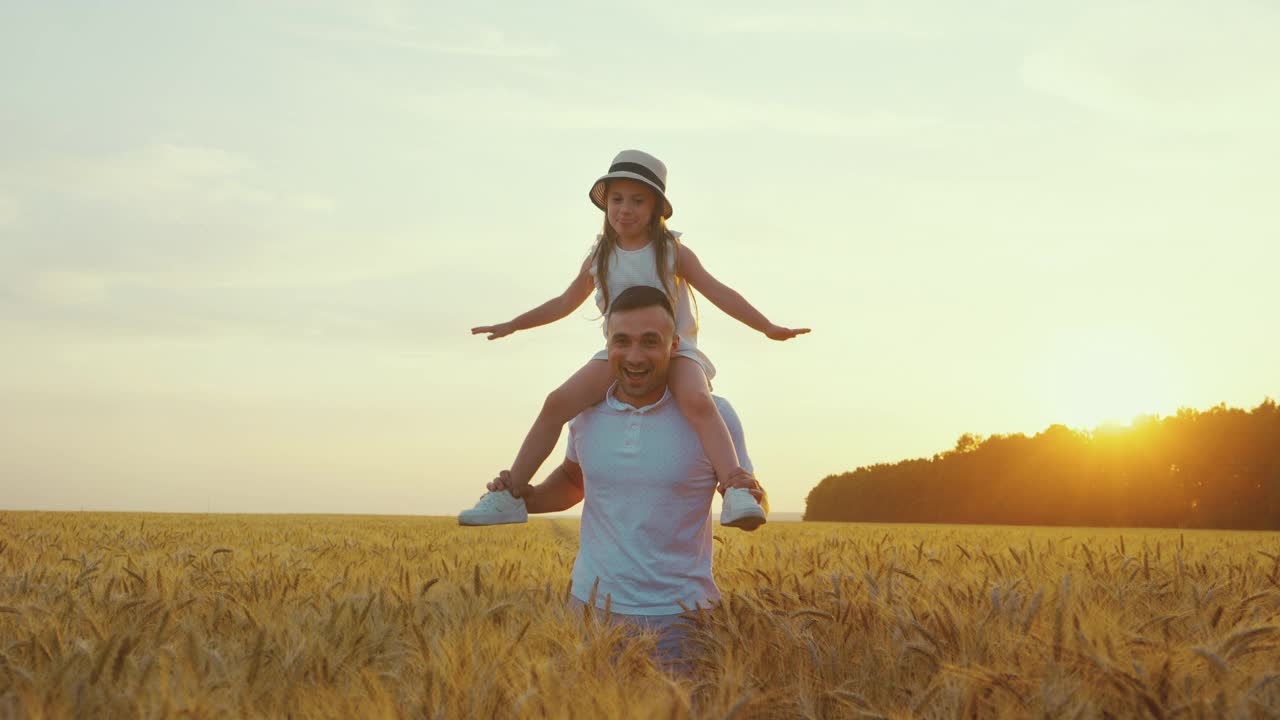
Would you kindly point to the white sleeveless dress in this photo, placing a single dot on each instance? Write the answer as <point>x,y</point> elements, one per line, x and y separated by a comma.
<point>628,268</point>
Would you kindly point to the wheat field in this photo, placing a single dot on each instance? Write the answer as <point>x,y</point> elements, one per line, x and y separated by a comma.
<point>206,616</point>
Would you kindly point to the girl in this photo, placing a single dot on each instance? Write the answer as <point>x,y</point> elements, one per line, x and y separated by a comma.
<point>635,248</point>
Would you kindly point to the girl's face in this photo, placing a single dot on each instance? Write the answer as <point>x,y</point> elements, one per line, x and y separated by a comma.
<point>631,208</point>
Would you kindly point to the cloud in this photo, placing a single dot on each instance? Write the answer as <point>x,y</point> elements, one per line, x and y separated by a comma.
<point>170,183</point>
<point>405,26</point>
<point>64,287</point>
<point>689,112</point>
<point>1183,65</point>
<point>399,309</point>
<point>851,20</point>
<point>475,41</point>
<point>9,210</point>
<point>180,239</point>
<point>160,208</point>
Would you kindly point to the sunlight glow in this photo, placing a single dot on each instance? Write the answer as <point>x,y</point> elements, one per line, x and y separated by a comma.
<point>1106,378</point>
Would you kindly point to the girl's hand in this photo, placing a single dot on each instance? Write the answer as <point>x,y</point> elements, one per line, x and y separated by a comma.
<point>777,332</point>
<point>742,478</point>
<point>495,331</point>
<point>503,482</point>
<point>499,483</point>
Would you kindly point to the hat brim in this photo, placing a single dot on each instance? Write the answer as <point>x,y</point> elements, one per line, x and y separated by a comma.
<point>597,191</point>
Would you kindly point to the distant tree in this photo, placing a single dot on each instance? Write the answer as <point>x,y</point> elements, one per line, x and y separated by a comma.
<point>1217,468</point>
<point>967,442</point>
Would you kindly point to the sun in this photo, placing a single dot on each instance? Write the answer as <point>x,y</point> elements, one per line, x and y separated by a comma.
<point>1091,379</point>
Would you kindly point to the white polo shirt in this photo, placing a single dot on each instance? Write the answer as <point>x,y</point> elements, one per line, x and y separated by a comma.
<point>646,513</point>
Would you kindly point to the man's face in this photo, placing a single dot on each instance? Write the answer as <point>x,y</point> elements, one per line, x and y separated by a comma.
<point>640,346</point>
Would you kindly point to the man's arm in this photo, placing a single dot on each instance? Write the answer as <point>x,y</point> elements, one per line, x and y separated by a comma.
<point>560,491</point>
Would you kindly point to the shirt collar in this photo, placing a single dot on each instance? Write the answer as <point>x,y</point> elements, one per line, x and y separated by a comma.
<point>622,406</point>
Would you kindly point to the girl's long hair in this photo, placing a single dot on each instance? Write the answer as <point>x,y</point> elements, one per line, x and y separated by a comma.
<point>665,251</point>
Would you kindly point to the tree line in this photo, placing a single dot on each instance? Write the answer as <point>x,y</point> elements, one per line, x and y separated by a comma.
<point>1218,468</point>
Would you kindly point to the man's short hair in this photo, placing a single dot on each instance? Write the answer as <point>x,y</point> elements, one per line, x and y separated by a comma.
<point>641,296</point>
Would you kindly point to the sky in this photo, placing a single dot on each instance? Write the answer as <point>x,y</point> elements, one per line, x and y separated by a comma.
<point>242,244</point>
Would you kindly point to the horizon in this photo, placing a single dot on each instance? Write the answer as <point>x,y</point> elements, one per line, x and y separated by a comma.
<point>1110,429</point>
<point>241,248</point>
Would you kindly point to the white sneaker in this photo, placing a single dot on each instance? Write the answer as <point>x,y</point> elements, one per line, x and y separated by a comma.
<point>741,510</point>
<point>495,508</point>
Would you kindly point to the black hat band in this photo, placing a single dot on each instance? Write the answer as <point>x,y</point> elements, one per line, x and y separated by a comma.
<point>640,170</point>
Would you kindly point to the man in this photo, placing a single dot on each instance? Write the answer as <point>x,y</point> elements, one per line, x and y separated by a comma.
<point>645,539</point>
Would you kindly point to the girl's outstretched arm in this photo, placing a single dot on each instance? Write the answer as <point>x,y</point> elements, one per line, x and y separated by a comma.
<point>548,312</point>
<point>727,299</point>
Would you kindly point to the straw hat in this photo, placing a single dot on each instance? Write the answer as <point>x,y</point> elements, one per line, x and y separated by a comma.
<point>638,166</point>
